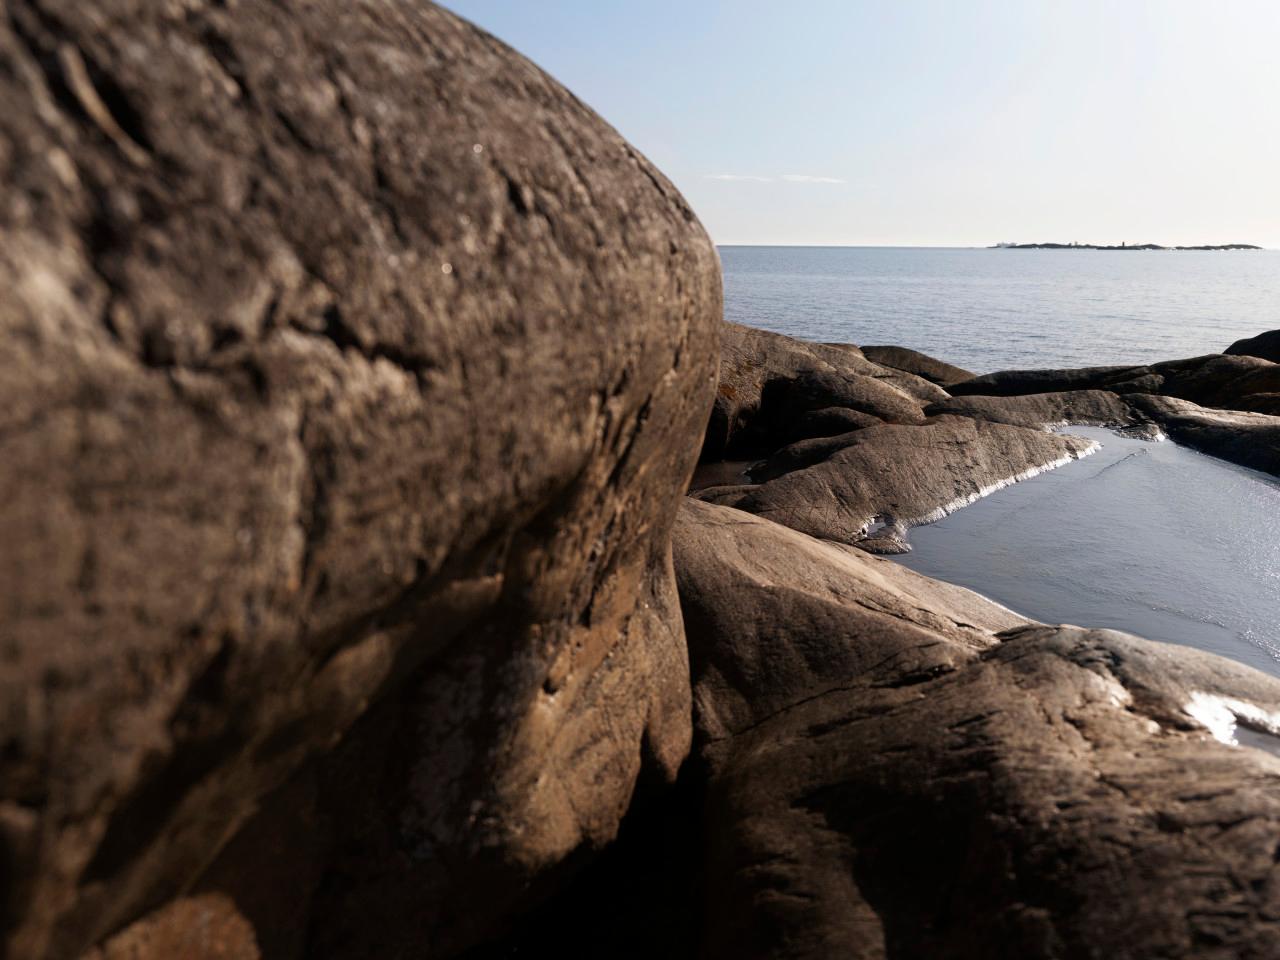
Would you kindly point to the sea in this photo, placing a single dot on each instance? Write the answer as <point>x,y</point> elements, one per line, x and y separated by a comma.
<point>989,310</point>
<point>1149,538</point>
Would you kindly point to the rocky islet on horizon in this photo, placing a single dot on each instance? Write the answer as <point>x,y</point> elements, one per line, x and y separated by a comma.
<point>1120,246</point>
<point>355,374</point>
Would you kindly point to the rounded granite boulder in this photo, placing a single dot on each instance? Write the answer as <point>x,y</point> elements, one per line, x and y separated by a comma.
<point>353,371</point>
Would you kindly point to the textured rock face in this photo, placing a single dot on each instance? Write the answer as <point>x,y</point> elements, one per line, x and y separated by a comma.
<point>890,776</point>
<point>353,370</point>
<point>1264,345</point>
<point>1227,406</point>
<point>922,365</point>
<point>1095,407</point>
<point>1212,381</point>
<point>846,441</point>
<point>775,616</point>
<point>772,387</point>
<point>1250,439</point>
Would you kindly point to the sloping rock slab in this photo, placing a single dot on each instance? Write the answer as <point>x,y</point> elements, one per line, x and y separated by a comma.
<point>888,779</point>
<point>1214,380</point>
<point>1051,797</point>
<point>922,365</point>
<point>793,616</point>
<point>906,473</point>
<point>1249,439</point>
<point>1092,407</point>
<point>352,367</point>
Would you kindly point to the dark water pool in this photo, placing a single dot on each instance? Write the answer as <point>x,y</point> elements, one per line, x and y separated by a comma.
<point>1150,538</point>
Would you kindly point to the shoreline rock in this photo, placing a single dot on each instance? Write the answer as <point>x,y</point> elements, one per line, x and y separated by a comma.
<point>885,778</point>
<point>914,473</point>
<point>355,375</point>
<point>1264,345</point>
<point>922,365</point>
<point>355,371</point>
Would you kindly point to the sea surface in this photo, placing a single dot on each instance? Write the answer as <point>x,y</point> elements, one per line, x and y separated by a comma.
<point>990,310</point>
<point>1150,538</point>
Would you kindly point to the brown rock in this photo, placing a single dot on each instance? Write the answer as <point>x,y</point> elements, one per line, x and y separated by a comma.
<point>1260,403</point>
<point>912,361</point>
<point>798,455</point>
<point>768,381</point>
<point>911,473</point>
<point>205,927</point>
<point>1214,380</point>
<point>1249,439</point>
<point>888,778</point>
<point>852,358</point>
<point>1090,407</point>
<point>829,422</point>
<point>1264,345</point>
<point>353,369</point>
<point>774,616</point>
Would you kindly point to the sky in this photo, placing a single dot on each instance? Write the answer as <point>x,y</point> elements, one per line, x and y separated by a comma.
<point>932,122</point>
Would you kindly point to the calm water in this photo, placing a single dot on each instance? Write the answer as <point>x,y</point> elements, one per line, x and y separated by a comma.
<point>1153,539</point>
<point>1150,538</point>
<point>998,309</point>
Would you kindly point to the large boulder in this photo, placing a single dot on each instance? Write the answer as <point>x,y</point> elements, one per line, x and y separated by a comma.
<point>353,373</point>
<point>1264,345</point>
<point>898,768</point>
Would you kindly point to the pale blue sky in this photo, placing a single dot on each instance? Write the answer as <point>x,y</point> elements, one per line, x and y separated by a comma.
<point>924,122</point>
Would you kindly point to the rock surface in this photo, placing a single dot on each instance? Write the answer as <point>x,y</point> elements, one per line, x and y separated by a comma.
<point>1264,345</point>
<point>1212,381</point>
<point>1227,406</point>
<point>890,776</point>
<point>922,365</point>
<point>770,383</point>
<point>912,473</point>
<point>1249,439</point>
<point>1092,407</point>
<point>353,371</point>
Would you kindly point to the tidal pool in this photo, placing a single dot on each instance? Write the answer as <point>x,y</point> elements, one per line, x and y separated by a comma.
<point>1150,538</point>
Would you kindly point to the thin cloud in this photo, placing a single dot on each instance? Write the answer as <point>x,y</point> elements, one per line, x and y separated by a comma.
<point>805,178</point>
<point>738,177</point>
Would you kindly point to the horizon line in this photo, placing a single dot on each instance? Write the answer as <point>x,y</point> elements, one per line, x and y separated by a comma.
<point>954,246</point>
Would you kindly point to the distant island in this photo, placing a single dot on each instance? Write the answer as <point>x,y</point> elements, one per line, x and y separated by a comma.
<point>1123,246</point>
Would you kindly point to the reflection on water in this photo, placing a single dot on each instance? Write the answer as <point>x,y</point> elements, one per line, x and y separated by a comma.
<point>1150,538</point>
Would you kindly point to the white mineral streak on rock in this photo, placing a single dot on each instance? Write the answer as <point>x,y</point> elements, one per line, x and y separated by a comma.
<point>1220,716</point>
<point>949,508</point>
